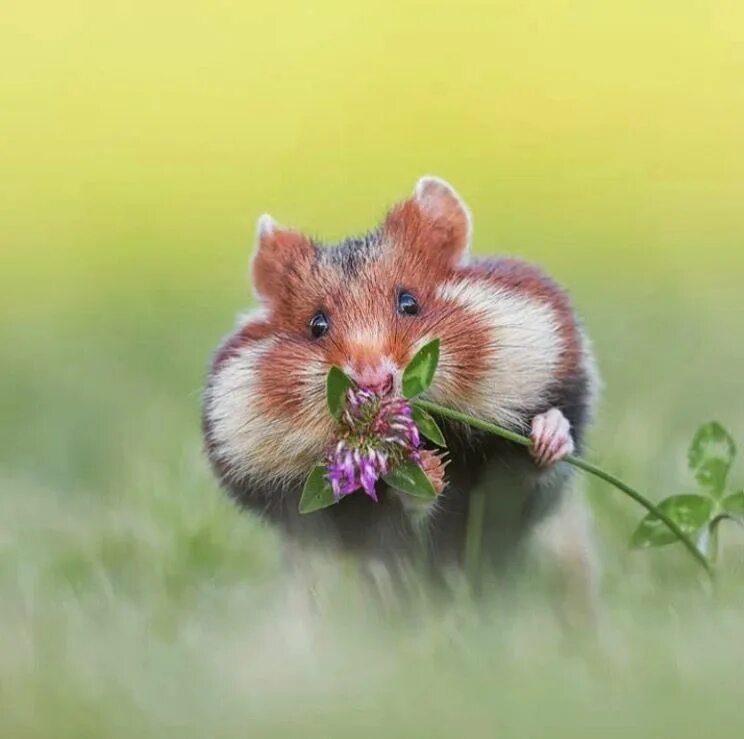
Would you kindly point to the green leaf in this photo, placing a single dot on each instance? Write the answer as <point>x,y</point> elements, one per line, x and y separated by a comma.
<point>428,426</point>
<point>337,384</point>
<point>317,493</point>
<point>409,478</point>
<point>734,504</point>
<point>419,373</point>
<point>689,512</point>
<point>710,457</point>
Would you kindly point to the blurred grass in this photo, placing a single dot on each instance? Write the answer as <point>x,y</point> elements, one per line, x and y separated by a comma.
<point>140,141</point>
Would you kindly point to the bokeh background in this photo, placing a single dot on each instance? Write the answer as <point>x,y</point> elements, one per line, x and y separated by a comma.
<point>139,142</point>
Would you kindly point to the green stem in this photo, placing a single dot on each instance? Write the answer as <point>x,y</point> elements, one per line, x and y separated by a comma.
<point>713,546</point>
<point>576,462</point>
<point>474,537</point>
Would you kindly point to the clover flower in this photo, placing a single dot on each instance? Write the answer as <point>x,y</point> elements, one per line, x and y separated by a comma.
<point>434,465</point>
<point>376,433</point>
<point>379,436</point>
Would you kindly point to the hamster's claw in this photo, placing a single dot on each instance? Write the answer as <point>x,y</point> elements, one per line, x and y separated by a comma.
<point>551,438</point>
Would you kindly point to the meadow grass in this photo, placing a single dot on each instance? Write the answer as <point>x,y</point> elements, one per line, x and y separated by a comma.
<point>137,599</point>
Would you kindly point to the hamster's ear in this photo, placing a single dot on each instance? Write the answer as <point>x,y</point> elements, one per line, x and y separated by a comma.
<point>279,252</point>
<point>434,220</point>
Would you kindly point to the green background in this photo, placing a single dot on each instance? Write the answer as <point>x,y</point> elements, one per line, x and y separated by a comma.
<point>139,142</point>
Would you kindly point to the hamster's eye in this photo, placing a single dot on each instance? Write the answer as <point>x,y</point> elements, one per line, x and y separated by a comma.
<point>319,325</point>
<point>407,304</point>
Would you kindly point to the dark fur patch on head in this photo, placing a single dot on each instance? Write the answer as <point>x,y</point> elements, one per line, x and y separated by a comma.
<point>351,255</point>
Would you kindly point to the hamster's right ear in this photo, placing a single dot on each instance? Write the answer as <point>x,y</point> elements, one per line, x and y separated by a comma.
<point>434,222</point>
<point>279,251</point>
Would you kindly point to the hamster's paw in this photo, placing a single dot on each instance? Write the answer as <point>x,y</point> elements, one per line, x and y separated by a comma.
<point>551,437</point>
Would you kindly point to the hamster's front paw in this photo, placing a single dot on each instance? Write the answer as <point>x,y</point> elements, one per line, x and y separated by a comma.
<point>551,437</point>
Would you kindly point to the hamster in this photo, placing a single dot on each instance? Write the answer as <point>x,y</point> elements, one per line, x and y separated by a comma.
<point>512,352</point>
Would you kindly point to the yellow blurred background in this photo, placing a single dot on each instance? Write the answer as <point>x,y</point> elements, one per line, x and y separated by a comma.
<point>139,142</point>
<point>148,136</point>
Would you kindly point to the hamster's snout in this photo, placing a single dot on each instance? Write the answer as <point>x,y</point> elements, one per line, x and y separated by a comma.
<point>379,380</point>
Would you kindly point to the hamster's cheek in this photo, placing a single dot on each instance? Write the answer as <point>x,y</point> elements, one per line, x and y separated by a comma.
<point>502,349</point>
<point>465,353</point>
<point>292,381</point>
<point>267,412</point>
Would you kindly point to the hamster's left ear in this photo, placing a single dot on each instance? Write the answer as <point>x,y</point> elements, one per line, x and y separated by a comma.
<point>434,220</point>
<point>282,257</point>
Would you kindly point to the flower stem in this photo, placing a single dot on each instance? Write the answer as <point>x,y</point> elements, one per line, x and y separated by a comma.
<point>576,462</point>
<point>474,537</point>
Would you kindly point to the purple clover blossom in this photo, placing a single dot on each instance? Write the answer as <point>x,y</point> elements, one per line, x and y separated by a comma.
<point>376,434</point>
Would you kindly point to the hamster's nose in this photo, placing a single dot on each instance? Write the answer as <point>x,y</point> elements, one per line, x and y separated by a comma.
<point>378,380</point>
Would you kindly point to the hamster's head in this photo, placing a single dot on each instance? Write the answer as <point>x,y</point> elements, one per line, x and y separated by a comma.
<point>366,306</point>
